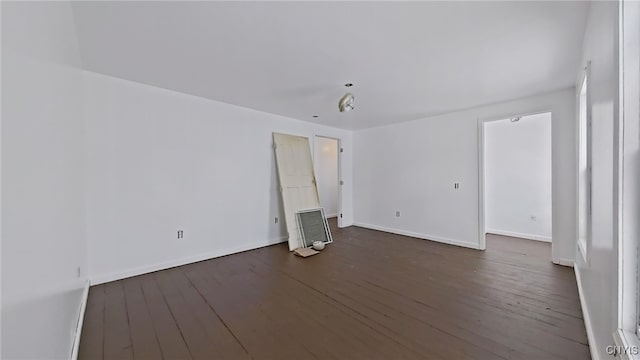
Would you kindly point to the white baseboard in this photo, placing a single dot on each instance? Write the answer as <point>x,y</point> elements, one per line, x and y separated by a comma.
<point>104,278</point>
<point>519,235</point>
<point>83,307</point>
<point>564,262</point>
<point>329,216</point>
<point>587,319</point>
<point>419,235</point>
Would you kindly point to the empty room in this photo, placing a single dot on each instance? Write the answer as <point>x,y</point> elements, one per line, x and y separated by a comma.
<point>320,180</point>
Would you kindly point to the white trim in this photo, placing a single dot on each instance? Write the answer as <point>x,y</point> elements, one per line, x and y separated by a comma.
<point>104,278</point>
<point>576,179</point>
<point>519,235</point>
<point>587,319</point>
<point>564,262</point>
<point>83,306</point>
<point>482,234</point>
<point>585,247</point>
<point>419,235</point>
<point>618,180</point>
<point>329,216</point>
<point>582,246</point>
<point>626,168</point>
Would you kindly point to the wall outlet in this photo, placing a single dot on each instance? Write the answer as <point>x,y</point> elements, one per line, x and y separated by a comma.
<point>275,221</point>
<point>456,185</point>
<point>180,234</point>
<point>397,213</point>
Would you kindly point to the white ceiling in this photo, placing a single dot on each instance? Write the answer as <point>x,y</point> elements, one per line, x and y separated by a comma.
<point>407,60</point>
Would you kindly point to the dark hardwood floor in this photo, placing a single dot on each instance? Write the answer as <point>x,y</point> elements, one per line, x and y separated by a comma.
<point>369,295</point>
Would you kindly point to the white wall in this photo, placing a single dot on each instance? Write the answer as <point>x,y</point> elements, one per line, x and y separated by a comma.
<point>411,167</point>
<point>325,162</point>
<point>159,161</point>
<point>43,234</point>
<point>518,177</point>
<point>598,277</point>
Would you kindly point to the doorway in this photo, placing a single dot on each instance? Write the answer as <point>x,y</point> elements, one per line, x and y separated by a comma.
<point>516,179</point>
<point>327,169</point>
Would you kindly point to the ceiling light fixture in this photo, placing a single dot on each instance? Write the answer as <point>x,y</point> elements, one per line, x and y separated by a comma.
<point>515,119</point>
<point>346,101</point>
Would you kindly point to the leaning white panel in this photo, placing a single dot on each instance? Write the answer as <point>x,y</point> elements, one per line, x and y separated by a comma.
<point>297,180</point>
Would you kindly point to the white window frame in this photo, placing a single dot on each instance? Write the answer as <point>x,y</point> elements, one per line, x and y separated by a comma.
<point>584,144</point>
<point>627,184</point>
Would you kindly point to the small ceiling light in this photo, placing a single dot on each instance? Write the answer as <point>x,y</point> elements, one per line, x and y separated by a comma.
<point>515,119</point>
<point>346,101</point>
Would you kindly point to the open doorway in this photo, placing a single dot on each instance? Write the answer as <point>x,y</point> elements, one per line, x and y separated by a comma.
<point>326,163</point>
<point>517,181</point>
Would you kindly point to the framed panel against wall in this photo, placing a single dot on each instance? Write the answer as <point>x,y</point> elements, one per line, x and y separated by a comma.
<point>313,226</point>
<point>297,180</point>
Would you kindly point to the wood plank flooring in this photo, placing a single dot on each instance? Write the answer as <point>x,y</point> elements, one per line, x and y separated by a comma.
<point>369,295</point>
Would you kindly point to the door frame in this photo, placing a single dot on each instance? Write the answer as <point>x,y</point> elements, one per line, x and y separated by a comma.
<point>340,179</point>
<point>584,249</point>
<point>482,235</point>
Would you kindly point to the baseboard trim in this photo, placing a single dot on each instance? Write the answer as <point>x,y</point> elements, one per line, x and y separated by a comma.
<point>564,262</point>
<point>585,315</point>
<point>83,307</point>
<point>519,235</point>
<point>105,278</point>
<point>418,235</point>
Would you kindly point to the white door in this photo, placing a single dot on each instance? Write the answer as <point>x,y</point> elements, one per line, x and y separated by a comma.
<point>297,180</point>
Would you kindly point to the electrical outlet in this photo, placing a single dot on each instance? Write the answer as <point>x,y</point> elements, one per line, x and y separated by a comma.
<point>180,234</point>
<point>397,213</point>
<point>275,221</point>
<point>456,185</point>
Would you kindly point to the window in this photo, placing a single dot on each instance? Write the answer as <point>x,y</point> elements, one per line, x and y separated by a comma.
<point>627,144</point>
<point>584,170</point>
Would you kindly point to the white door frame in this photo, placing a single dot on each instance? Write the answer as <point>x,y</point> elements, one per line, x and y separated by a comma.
<point>340,180</point>
<point>482,234</point>
<point>626,170</point>
<point>585,249</point>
